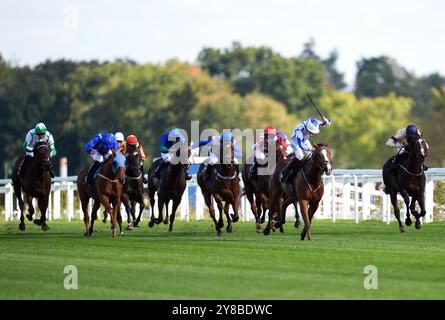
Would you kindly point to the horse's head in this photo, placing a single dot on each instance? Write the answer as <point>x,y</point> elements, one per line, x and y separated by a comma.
<point>42,154</point>
<point>417,147</point>
<point>133,161</point>
<point>119,165</point>
<point>322,158</point>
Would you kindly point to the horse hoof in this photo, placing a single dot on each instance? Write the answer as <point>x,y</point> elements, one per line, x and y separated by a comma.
<point>297,224</point>
<point>29,217</point>
<point>38,222</point>
<point>114,233</point>
<point>262,220</point>
<point>45,227</point>
<point>235,218</point>
<point>281,230</point>
<point>136,224</point>
<point>266,232</point>
<point>151,224</point>
<point>408,222</point>
<point>165,221</point>
<point>220,225</point>
<point>403,232</point>
<point>229,228</point>
<point>129,228</point>
<point>219,232</point>
<point>157,221</point>
<point>418,224</point>
<point>22,227</point>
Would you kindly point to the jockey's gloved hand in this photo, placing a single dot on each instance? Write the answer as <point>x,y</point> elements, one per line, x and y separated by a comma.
<point>53,152</point>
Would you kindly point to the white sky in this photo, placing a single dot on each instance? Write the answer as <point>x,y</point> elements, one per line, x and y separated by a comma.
<point>411,31</point>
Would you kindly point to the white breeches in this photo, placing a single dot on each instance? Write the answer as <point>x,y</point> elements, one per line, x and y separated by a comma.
<point>167,157</point>
<point>259,155</point>
<point>98,157</point>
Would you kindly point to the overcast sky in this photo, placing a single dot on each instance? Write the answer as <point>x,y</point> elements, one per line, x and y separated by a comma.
<point>411,31</point>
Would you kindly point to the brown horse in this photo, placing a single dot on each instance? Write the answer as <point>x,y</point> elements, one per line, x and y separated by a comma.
<point>223,186</point>
<point>408,180</point>
<point>258,192</point>
<point>306,187</point>
<point>108,188</point>
<point>35,184</point>
<point>170,187</point>
<point>134,187</point>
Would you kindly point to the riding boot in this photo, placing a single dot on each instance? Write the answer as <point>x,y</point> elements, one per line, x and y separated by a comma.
<point>286,173</point>
<point>51,170</point>
<point>22,168</point>
<point>91,172</point>
<point>159,169</point>
<point>252,175</point>
<point>208,172</point>
<point>395,163</point>
<point>144,180</point>
<point>187,175</point>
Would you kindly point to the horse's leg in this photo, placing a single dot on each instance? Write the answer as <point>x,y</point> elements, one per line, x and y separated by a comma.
<point>421,201</point>
<point>393,196</point>
<point>313,206</point>
<point>119,219</point>
<point>176,203</point>
<point>31,211</point>
<point>125,201</point>
<point>235,204</point>
<point>282,215</point>
<point>86,216</point>
<point>43,205</point>
<point>219,204</point>
<point>208,202</point>
<point>297,223</point>
<point>151,223</point>
<point>140,201</point>
<point>160,209</point>
<point>274,207</point>
<point>405,197</point>
<point>253,207</point>
<point>166,211</point>
<point>307,223</point>
<point>109,210</point>
<point>96,207</point>
<point>226,213</point>
<point>18,194</point>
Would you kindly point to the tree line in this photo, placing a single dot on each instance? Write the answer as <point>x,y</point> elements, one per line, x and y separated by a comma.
<point>236,87</point>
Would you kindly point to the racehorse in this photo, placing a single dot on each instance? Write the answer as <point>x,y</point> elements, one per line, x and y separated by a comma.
<point>408,180</point>
<point>223,186</point>
<point>306,187</point>
<point>258,193</point>
<point>108,187</point>
<point>36,183</point>
<point>171,187</point>
<point>133,188</point>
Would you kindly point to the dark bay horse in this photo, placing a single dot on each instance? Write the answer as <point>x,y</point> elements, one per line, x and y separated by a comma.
<point>223,186</point>
<point>171,187</point>
<point>35,184</point>
<point>307,188</point>
<point>108,191</point>
<point>258,193</point>
<point>408,180</point>
<point>134,187</point>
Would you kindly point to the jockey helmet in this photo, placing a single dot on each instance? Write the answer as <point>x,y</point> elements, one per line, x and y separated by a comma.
<point>119,136</point>
<point>227,136</point>
<point>411,130</point>
<point>176,133</point>
<point>270,130</point>
<point>312,125</point>
<point>40,128</point>
<point>280,136</point>
<point>132,139</point>
<point>108,142</point>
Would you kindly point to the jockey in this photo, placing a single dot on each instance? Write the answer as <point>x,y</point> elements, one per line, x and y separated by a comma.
<point>399,141</point>
<point>215,143</point>
<point>260,149</point>
<point>121,142</point>
<point>132,142</point>
<point>38,134</point>
<point>100,148</point>
<point>301,145</point>
<point>284,141</point>
<point>166,146</point>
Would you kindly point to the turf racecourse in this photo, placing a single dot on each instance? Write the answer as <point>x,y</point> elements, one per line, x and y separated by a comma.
<point>193,263</point>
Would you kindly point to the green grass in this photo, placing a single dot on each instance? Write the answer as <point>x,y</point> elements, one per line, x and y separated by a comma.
<point>193,263</point>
